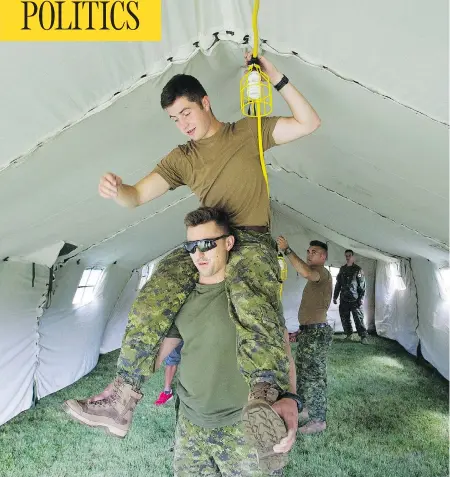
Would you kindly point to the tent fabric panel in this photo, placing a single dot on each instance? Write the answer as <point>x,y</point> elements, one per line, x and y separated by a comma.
<point>434,312</point>
<point>21,294</point>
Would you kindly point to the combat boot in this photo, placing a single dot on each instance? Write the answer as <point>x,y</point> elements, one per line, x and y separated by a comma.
<point>113,413</point>
<point>263,427</point>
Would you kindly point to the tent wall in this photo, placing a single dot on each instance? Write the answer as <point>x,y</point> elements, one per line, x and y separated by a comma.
<point>71,335</point>
<point>112,338</point>
<point>434,309</point>
<point>396,308</point>
<point>20,298</point>
<point>46,342</point>
<point>115,328</point>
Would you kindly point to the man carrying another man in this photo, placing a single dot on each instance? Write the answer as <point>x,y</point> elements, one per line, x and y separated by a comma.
<point>210,429</point>
<point>220,164</point>
<point>315,334</point>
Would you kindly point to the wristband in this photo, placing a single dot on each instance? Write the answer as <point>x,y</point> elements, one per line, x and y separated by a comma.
<point>287,395</point>
<point>283,82</point>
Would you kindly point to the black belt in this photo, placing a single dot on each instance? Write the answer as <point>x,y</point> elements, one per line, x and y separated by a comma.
<point>313,325</point>
<point>262,229</point>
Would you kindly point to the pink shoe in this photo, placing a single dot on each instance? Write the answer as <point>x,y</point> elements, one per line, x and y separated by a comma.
<point>164,398</point>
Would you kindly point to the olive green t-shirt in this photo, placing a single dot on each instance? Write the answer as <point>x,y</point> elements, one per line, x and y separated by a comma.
<point>316,298</point>
<point>224,170</point>
<point>211,388</point>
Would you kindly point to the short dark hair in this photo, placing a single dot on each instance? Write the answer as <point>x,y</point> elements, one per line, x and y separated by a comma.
<point>318,243</point>
<point>182,85</point>
<point>203,215</point>
<point>350,251</point>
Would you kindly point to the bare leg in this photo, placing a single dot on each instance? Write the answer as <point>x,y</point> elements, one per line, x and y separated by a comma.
<point>168,377</point>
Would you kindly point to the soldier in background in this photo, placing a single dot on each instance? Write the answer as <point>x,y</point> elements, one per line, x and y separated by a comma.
<point>351,285</point>
<point>315,334</point>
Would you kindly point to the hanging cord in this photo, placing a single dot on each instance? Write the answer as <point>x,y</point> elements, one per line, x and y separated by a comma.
<point>254,61</point>
<point>258,104</point>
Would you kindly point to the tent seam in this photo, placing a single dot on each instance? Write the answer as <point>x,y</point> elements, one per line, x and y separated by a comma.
<point>358,83</point>
<point>357,203</point>
<point>143,78</point>
<point>134,224</point>
<point>335,231</point>
<point>417,307</point>
<point>40,314</point>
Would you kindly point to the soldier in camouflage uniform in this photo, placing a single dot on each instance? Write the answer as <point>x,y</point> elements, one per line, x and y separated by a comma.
<point>315,334</point>
<point>212,419</point>
<point>220,163</point>
<point>251,247</point>
<point>351,286</point>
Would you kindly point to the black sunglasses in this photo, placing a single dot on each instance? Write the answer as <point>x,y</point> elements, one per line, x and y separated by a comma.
<point>204,245</point>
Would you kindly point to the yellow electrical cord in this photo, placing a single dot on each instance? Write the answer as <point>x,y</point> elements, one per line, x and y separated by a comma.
<point>255,29</point>
<point>281,260</point>
<point>258,104</point>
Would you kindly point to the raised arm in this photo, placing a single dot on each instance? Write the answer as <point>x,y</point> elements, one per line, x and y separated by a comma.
<point>147,189</point>
<point>304,119</point>
<point>302,267</point>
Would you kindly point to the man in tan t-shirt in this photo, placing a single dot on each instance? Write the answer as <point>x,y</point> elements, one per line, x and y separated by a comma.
<point>220,164</point>
<point>315,335</point>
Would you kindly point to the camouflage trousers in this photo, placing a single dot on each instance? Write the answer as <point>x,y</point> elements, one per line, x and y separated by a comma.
<point>311,364</point>
<point>252,286</point>
<point>223,451</point>
<point>345,308</point>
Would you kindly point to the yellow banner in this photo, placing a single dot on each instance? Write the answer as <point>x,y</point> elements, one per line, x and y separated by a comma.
<point>80,20</point>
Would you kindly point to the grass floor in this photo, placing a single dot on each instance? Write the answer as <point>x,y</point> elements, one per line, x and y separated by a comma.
<point>387,417</point>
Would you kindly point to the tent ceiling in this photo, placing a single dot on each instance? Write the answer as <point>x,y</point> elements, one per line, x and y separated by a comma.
<point>149,239</point>
<point>375,173</point>
<point>399,48</point>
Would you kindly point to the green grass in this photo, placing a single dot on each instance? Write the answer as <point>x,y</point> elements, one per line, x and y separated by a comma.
<point>387,417</point>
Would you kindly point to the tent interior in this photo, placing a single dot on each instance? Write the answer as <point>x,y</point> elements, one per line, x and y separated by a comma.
<point>373,178</point>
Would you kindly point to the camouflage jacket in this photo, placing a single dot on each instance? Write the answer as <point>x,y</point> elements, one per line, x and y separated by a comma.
<point>350,284</point>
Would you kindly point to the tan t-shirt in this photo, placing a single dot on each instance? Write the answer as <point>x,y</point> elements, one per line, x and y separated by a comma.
<point>224,170</point>
<point>316,299</point>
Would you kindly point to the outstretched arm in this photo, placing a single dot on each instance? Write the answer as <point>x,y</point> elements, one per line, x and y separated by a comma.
<point>147,189</point>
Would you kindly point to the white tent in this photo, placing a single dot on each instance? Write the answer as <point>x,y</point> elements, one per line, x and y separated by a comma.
<point>373,178</point>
